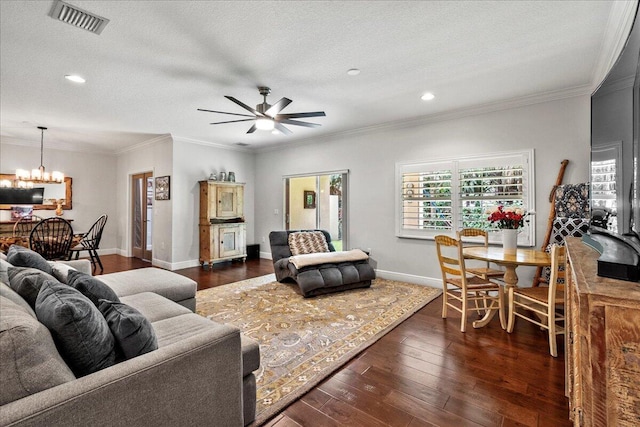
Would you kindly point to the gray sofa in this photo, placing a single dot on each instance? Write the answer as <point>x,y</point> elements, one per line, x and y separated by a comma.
<point>201,373</point>
<point>318,279</point>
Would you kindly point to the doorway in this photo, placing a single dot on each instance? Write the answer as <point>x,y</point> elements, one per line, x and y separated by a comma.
<point>318,202</point>
<point>142,215</point>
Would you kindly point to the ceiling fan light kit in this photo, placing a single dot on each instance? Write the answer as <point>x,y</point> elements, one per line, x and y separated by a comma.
<point>266,116</point>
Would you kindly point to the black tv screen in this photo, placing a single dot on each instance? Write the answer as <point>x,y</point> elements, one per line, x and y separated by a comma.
<point>21,196</point>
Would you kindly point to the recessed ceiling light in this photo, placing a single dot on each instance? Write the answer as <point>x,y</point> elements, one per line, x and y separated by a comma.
<point>428,96</point>
<point>353,72</point>
<point>74,78</point>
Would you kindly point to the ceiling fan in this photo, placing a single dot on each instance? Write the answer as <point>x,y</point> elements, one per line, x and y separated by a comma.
<point>268,117</point>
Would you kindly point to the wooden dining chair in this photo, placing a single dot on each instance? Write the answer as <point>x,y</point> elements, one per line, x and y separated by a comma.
<point>90,242</point>
<point>24,225</point>
<point>460,288</point>
<point>52,238</point>
<point>543,301</point>
<point>482,237</point>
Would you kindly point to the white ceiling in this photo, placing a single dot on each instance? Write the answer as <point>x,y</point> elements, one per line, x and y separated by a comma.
<point>156,62</point>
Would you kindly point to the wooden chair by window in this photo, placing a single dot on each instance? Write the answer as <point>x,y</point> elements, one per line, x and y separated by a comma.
<point>52,238</point>
<point>91,242</point>
<point>459,288</point>
<point>543,301</point>
<point>23,226</point>
<point>481,237</point>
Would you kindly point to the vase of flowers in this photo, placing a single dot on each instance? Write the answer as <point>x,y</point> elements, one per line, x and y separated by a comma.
<point>509,220</point>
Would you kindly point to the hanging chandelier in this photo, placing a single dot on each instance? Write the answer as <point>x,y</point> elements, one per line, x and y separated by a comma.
<point>24,179</point>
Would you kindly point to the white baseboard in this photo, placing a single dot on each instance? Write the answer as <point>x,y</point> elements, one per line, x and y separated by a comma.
<point>410,278</point>
<point>266,255</point>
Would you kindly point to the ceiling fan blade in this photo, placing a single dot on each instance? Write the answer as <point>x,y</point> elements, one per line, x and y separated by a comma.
<point>299,123</point>
<point>245,106</point>
<point>300,115</point>
<point>277,107</point>
<point>252,129</point>
<point>282,129</point>
<point>224,112</point>
<point>232,121</point>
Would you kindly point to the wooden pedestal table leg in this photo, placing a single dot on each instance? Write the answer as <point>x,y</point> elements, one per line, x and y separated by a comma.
<point>510,279</point>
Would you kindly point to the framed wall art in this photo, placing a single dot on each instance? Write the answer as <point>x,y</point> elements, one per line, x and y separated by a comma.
<point>309,199</point>
<point>163,187</point>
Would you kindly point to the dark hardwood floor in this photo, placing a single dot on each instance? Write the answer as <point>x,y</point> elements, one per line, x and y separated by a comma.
<point>425,372</point>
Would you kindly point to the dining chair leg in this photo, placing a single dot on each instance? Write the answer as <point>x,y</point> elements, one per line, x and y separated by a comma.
<point>512,311</point>
<point>95,253</point>
<point>463,321</point>
<point>553,343</point>
<point>444,302</point>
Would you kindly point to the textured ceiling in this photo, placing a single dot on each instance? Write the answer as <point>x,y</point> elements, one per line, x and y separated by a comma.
<point>156,62</point>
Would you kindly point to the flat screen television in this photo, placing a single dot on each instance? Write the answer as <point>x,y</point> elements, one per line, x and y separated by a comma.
<point>21,196</point>
<point>615,171</point>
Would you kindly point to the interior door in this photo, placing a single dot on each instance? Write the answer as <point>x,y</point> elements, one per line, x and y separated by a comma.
<point>141,215</point>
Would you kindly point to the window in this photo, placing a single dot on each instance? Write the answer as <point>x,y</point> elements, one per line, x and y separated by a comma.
<point>443,196</point>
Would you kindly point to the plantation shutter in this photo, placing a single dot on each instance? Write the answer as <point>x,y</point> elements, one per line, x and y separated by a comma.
<point>445,196</point>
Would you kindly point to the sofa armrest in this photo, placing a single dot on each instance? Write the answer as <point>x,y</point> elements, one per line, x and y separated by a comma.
<point>82,265</point>
<point>195,381</point>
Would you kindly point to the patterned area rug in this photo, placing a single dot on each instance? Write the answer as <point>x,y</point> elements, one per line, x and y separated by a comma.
<point>302,341</point>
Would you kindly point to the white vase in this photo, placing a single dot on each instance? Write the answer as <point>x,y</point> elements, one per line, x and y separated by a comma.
<point>509,239</point>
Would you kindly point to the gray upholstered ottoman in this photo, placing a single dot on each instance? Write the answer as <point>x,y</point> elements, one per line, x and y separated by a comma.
<point>170,285</point>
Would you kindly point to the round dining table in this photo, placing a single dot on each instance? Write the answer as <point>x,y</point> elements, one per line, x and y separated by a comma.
<point>510,259</point>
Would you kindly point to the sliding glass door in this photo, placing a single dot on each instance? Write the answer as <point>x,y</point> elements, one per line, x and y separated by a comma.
<point>318,202</point>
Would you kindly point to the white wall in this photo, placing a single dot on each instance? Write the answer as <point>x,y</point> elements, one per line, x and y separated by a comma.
<point>193,162</point>
<point>557,130</point>
<point>157,157</point>
<point>93,185</point>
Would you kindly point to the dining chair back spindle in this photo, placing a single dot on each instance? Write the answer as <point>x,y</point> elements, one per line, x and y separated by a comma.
<point>545,303</point>
<point>461,288</point>
<point>52,238</point>
<point>480,237</point>
<point>24,225</point>
<point>90,242</point>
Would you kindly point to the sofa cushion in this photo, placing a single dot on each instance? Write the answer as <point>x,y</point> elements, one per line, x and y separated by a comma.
<point>91,287</point>
<point>153,306</point>
<point>77,326</point>
<point>27,282</point>
<point>19,256</point>
<point>60,271</point>
<point>179,328</point>
<point>133,333</point>
<point>162,282</point>
<point>29,361</point>
<point>4,271</point>
<point>307,242</point>
<point>12,295</point>
<point>250,354</point>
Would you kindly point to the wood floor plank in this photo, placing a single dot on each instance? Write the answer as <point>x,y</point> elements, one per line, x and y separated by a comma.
<point>424,372</point>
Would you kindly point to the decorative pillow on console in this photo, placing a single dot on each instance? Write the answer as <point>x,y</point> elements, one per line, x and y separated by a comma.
<point>27,282</point>
<point>29,360</point>
<point>132,331</point>
<point>19,256</point>
<point>91,287</point>
<point>572,201</point>
<point>77,326</point>
<point>307,242</point>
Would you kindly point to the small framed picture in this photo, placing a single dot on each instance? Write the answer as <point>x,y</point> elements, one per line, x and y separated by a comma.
<point>163,187</point>
<point>309,199</point>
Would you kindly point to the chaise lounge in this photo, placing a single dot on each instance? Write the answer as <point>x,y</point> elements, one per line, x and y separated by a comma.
<point>309,259</point>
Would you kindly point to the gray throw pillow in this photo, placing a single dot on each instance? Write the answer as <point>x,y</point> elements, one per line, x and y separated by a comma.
<point>29,360</point>
<point>4,271</point>
<point>27,282</point>
<point>7,292</point>
<point>19,256</point>
<point>133,332</point>
<point>91,287</point>
<point>78,329</point>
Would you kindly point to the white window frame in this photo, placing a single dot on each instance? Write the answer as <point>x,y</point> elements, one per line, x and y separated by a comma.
<point>527,235</point>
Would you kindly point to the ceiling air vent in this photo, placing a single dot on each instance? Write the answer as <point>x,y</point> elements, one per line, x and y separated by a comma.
<point>77,17</point>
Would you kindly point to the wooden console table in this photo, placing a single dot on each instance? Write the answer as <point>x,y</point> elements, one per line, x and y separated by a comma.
<point>602,343</point>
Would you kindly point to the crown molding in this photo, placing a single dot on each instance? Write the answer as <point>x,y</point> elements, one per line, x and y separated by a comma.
<point>619,24</point>
<point>212,144</point>
<point>143,144</point>
<point>489,107</point>
<point>62,146</point>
